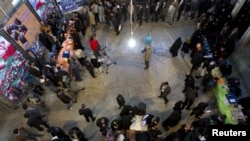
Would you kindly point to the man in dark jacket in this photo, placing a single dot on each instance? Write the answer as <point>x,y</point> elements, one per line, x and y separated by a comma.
<point>190,95</point>
<point>179,106</point>
<point>89,67</point>
<point>165,91</point>
<point>197,58</point>
<point>59,132</point>
<point>140,14</point>
<point>87,113</point>
<point>172,120</point>
<point>36,121</point>
<point>175,47</point>
<point>189,82</point>
<point>64,98</point>
<point>199,109</point>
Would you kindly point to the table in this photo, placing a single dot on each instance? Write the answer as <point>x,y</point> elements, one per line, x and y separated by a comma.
<point>137,124</point>
<point>232,112</point>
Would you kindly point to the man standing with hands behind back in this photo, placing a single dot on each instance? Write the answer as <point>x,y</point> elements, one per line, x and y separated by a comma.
<point>87,113</point>
<point>147,51</point>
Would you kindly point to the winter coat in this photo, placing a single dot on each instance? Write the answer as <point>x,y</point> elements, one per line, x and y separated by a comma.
<point>147,53</point>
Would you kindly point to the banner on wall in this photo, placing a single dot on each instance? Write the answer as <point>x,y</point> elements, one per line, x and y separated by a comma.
<point>24,28</point>
<point>68,5</point>
<point>12,70</point>
<point>44,8</point>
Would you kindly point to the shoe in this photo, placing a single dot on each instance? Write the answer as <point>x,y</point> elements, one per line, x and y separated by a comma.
<point>166,102</point>
<point>188,109</point>
<point>159,96</point>
<point>145,68</point>
<point>83,88</point>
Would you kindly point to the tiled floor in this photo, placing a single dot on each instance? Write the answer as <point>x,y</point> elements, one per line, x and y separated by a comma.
<point>127,78</point>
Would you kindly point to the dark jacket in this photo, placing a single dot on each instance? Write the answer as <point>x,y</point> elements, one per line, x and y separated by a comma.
<point>95,62</point>
<point>199,109</point>
<point>191,94</point>
<point>64,98</point>
<point>178,106</point>
<point>175,47</point>
<point>197,59</point>
<point>85,111</point>
<point>172,120</point>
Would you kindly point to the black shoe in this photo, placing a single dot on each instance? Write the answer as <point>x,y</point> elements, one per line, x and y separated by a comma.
<point>166,102</point>
<point>188,109</point>
<point>145,68</point>
<point>159,96</point>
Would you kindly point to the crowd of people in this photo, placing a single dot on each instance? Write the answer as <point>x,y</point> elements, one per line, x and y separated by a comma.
<point>210,45</point>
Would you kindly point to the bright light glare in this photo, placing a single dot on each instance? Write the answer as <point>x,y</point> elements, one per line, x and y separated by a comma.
<point>131,42</point>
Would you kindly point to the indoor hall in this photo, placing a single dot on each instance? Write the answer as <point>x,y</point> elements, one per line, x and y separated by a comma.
<point>128,78</point>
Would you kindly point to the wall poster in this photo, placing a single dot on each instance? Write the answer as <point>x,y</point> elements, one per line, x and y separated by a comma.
<point>13,68</point>
<point>44,8</point>
<point>24,28</point>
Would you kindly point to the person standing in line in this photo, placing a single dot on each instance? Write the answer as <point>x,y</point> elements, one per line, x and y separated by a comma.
<point>92,21</point>
<point>190,95</point>
<point>64,98</point>
<point>58,132</point>
<point>74,66</point>
<point>96,64</point>
<point>89,66</point>
<point>23,134</point>
<point>87,113</point>
<point>32,110</point>
<point>101,13</point>
<point>76,134</point>
<point>147,51</point>
<point>147,12</point>
<point>120,100</point>
<point>35,121</point>
<point>165,91</point>
<point>164,11</point>
<point>199,110</point>
<point>179,106</point>
<point>140,14</point>
<point>103,124</point>
<point>171,12</point>
<point>94,45</point>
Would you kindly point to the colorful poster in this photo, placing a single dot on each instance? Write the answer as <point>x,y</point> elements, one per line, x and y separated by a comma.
<point>24,28</point>
<point>68,5</point>
<point>12,69</point>
<point>44,8</point>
